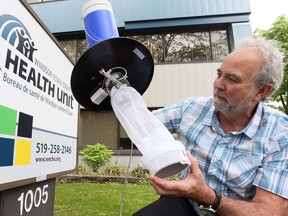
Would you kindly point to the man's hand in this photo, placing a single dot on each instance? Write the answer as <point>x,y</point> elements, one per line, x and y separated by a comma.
<point>192,187</point>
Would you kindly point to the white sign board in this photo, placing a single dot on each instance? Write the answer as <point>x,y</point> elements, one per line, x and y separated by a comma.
<point>38,113</point>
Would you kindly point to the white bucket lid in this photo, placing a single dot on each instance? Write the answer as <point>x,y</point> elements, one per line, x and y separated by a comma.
<point>168,164</point>
<point>95,5</point>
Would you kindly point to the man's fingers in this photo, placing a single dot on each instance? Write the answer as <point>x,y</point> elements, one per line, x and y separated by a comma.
<point>164,186</point>
<point>194,163</point>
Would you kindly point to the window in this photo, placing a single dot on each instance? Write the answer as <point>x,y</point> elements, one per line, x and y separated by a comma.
<point>74,48</point>
<point>219,45</point>
<point>171,47</point>
<point>186,47</point>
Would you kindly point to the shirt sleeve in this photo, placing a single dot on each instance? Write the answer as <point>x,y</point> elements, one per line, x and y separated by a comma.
<point>170,116</point>
<point>273,174</point>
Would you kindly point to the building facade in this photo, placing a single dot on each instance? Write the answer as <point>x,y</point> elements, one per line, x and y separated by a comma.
<point>188,39</point>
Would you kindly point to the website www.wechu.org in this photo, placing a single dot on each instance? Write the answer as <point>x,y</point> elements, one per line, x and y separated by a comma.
<point>48,159</point>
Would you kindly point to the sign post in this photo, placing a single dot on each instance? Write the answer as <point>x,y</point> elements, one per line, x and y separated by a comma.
<point>34,199</point>
<point>38,113</point>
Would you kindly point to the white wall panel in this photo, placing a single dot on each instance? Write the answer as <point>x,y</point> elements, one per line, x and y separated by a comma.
<point>174,82</point>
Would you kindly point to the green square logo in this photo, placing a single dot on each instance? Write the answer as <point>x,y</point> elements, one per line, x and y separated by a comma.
<point>7,121</point>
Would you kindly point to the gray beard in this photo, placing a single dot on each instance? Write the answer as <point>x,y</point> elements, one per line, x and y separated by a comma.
<point>229,108</point>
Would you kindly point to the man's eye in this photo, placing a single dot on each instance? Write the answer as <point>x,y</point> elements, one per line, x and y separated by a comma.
<point>231,79</point>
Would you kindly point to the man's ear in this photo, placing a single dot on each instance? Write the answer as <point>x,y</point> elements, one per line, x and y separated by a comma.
<point>264,91</point>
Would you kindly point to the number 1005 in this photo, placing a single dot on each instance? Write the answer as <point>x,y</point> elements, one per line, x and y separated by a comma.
<point>33,198</point>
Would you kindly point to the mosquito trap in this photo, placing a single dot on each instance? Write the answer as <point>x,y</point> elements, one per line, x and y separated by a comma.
<point>111,76</point>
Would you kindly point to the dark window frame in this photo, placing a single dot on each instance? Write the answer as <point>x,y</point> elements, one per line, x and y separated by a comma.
<point>80,36</point>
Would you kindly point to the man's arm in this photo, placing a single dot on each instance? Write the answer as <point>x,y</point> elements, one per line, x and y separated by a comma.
<point>194,187</point>
<point>264,203</point>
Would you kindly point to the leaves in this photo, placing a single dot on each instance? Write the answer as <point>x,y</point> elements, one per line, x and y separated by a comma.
<point>278,32</point>
<point>96,155</point>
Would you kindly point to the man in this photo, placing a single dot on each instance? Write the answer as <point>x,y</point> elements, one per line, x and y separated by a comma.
<point>238,147</point>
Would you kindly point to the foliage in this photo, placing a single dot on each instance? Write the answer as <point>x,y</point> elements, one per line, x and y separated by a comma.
<point>278,32</point>
<point>175,177</point>
<point>96,155</point>
<point>139,172</point>
<point>82,170</point>
<point>113,170</point>
<point>117,170</point>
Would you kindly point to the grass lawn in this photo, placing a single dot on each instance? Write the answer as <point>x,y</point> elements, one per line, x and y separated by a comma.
<point>95,199</point>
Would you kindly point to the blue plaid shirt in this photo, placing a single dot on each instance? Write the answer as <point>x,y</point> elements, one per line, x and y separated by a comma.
<point>233,163</point>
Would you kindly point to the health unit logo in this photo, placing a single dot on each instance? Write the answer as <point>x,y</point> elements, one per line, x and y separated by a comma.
<point>14,32</point>
<point>15,137</point>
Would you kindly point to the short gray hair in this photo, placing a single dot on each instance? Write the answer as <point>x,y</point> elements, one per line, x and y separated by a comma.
<point>272,70</point>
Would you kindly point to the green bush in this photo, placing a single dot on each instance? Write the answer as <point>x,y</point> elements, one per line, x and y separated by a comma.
<point>96,155</point>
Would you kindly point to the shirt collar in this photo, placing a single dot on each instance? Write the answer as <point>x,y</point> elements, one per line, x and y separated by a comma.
<point>250,130</point>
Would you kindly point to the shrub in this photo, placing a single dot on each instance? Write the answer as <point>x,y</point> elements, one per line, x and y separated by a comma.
<point>113,170</point>
<point>82,170</point>
<point>139,172</point>
<point>96,155</point>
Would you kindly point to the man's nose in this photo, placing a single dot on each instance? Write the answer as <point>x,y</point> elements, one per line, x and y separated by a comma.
<point>219,83</point>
